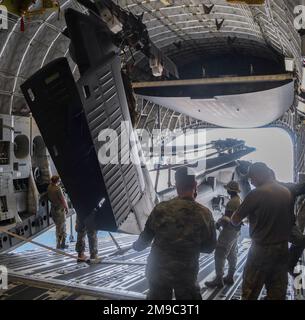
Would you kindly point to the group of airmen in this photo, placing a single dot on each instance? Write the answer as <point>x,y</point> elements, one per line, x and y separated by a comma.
<point>179,230</point>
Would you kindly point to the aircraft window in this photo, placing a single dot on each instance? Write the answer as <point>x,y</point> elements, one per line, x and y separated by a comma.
<point>21,146</point>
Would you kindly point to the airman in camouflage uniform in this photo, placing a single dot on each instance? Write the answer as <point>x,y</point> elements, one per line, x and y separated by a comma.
<point>80,247</point>
<point>296,238</point>
<point>180,229</point>
<point>227,247</point>
<point>58,211</point>
<point>268,209</point>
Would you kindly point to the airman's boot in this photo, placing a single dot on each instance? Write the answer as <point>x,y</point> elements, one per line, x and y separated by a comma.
<point>217,282</point>
<point>94,259</point>
<point>63,244</point>
<point>82,258</point>
<point>229,280</point>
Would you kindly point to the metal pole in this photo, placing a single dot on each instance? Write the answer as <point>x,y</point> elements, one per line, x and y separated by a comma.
<point>157,178</point>
<point>71,237</point>
<point>169,182</point>
<point>115,242</point>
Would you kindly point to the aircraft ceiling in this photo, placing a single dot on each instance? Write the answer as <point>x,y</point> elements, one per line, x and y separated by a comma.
<point>183,29</point>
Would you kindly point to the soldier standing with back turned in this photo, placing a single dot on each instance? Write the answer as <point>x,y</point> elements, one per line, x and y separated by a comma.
<point>268,208</point>
<point>59,208</point>
<point>180,229</point>
<point>83,231</point>
<point>227,247</point>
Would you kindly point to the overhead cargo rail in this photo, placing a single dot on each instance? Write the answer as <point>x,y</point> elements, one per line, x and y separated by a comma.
<point>207,81</point>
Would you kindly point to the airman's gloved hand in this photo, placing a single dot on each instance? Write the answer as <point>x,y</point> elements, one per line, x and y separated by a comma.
<point>139,245</point>
<point>218,224</point>
<point>223,221</point>
<point>226,219</point>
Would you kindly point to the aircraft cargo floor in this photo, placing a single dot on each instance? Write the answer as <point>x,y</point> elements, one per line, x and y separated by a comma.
<point>41,274</point>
